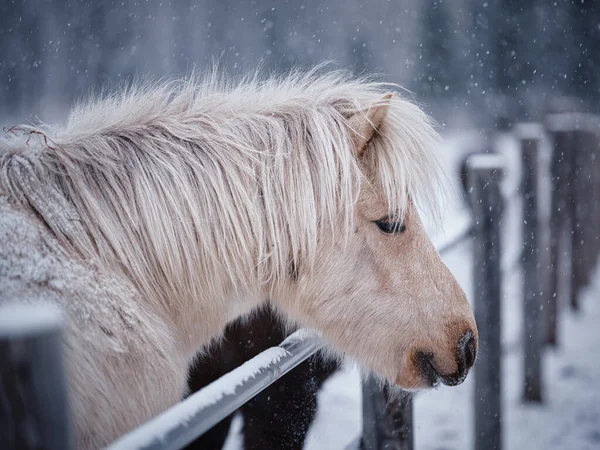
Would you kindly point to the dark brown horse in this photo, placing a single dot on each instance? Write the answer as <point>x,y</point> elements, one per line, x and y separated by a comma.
<point>280,416</point>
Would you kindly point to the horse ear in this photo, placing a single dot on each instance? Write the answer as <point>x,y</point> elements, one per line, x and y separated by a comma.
<point>365,125</point>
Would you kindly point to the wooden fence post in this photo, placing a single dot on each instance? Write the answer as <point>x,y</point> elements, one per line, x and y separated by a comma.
<point>595,232</point>
<point>595,157</point>
<point>529,137</point>
<point>583,216</point>
<point>484,175</point>
<point>387,422</point>
<point>560,223</point>
<point>574,214</point>
<point>34,411</point>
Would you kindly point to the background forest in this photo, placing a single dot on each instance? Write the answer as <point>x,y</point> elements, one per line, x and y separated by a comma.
<point>466,61</point>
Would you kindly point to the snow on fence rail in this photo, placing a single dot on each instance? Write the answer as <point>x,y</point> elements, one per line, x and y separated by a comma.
<point>33,407</point>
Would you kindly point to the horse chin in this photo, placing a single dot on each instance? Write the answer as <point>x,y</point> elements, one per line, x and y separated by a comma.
<point>421,385</point>
<point>417,381</point>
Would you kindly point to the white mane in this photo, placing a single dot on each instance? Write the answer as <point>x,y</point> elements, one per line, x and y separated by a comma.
<point>209,180</point>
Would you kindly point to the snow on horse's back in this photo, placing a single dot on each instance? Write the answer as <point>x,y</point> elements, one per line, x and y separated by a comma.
<point>159,213</point>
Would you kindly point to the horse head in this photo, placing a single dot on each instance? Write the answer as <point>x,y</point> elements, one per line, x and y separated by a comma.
<point>382,294</point>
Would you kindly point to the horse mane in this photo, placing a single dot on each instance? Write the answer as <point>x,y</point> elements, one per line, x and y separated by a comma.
<point>223,182</point>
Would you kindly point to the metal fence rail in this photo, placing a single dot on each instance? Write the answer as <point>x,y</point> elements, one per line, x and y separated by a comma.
<point>184,422</point>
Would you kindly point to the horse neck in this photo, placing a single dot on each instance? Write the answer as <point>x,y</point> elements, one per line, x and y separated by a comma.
<point>196,311</point>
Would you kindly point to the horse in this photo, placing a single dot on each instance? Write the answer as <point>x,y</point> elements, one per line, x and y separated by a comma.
<point>159,212</point>
<point>278,417</point>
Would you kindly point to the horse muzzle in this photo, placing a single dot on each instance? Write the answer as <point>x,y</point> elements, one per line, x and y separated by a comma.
<point>466,353</point>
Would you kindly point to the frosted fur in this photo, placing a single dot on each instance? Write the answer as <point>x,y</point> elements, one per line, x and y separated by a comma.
<point>195,150</point>
<point>160,212</point>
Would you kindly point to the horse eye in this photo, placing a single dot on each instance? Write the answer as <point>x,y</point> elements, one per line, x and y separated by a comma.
<point>390,226</point>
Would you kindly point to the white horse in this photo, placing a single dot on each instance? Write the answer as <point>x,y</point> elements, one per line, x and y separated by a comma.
<point>158,214</point>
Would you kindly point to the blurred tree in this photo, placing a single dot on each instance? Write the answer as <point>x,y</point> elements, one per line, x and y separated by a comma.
<point>514,61</point>
<point>360,54</point>
<point>513,53</point>
<point>503,44</point>
<point>185,26</point>
<point>585,61</point>
<point>20,55</point>
<point>113,37</point>
<point>276,25</point>
<point>438,61</point>
<point>481,39</point>
<point>216,18</point>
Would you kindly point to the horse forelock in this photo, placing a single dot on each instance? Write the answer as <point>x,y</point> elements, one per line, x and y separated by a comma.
<point>206,185</point>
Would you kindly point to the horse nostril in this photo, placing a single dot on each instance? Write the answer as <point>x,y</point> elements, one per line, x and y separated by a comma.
<point>426,369</point>
<point>466,351</point>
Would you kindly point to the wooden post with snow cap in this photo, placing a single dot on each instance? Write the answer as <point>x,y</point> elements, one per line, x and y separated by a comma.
<point>483,178</point>
<point>530,136</point>
<point>34,410</point>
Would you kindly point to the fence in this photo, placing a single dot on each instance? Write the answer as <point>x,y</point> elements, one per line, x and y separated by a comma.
<point>560,248</point>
